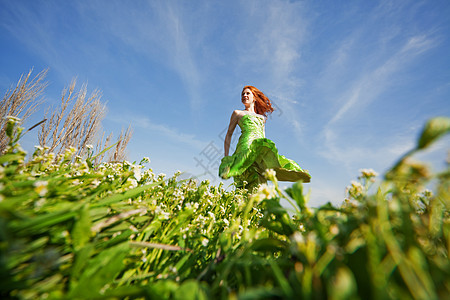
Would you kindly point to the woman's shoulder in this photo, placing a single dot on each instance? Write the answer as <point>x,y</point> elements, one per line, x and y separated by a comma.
<point>244,112</point>
<point>238,114</point>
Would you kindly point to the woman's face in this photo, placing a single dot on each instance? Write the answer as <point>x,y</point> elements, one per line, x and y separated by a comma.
<point>247,97</point>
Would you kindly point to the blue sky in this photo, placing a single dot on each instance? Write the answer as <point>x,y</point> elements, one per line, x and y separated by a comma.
<point>353,81</point>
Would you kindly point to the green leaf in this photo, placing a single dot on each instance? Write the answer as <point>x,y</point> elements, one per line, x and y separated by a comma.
<point>104,150</point>
<point>123,196</point>
<point>100,271</point>
<point>81,259</point>
<point>282,281</point>
<point>41,222</point>
<point>296,193</point>
<point>162,289</point>
<point>181,264</point>
<point>343,285</point>
<point>189,290</point>
<point>126,292</point>
<point>260,293</point>
<point>268,245</point>
<point>434,129</point>
<point>81,232</point>
<point>276,218</point>
<point>10,157</point>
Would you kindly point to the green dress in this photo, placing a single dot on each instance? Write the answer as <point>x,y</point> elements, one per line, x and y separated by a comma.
<point>254,154</point>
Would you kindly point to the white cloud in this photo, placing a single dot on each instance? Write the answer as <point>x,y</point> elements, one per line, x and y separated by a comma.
<point>321,193</point>
<point>373,82</point>
<point>362,89</point>
<point>162,32</point>
<point>270,47</point>
<point>174,135</point>
<point>35,29</point>
<point>180,49</point>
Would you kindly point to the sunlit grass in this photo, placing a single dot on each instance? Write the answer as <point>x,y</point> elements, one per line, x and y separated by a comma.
<point>72,229</point>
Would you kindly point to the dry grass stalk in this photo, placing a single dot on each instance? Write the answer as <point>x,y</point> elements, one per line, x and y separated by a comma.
<point>122,142</point>
<point>22,101</point>
<point>102,144</point>
<point>76,123</point>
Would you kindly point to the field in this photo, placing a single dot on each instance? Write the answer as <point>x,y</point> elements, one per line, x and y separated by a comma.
<point>71,228</point>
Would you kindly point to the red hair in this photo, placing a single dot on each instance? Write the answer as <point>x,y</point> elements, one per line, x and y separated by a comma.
<point>262,103</point>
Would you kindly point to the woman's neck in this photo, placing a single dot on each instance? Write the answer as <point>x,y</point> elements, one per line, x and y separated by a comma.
<point>250,109</point>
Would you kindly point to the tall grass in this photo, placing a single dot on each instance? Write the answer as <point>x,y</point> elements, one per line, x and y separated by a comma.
<point>21,101</point>
<point>76,123</point>
<point>73,229</point>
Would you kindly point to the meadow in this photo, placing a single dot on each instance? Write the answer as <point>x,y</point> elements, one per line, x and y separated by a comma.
<point>74,229</point>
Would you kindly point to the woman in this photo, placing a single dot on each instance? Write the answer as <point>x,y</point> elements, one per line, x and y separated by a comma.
<point>254,153</point>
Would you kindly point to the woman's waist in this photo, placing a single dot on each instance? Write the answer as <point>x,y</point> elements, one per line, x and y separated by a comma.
<point>251,134</point>
<point>245,141</point>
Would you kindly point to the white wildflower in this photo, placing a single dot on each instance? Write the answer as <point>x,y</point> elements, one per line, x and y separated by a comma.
<point>264,192</point>
<point>40,187</point>
<point>205,242</point>
<point>132,182</point>
<point>12,118</point>
<point>117,233</point>
<point>104,288</point>
<point>368,173</point>
<point>165,215</point>
<point>39,203</point>
<point>137,172</point>
<point>355,189</point>
<point>212,215</point>
<point>270,174</point>
<point>334,229</point>
<point>427,193</point>
<point>71,150</point>
<point>162,214</point>
<point>297,237</point>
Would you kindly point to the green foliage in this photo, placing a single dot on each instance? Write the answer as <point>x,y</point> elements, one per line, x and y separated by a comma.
<point>71,229</point>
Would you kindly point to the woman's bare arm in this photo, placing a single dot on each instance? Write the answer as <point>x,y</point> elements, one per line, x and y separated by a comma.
<point>233,122</point>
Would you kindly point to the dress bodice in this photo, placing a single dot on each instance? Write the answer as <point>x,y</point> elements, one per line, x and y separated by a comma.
<point>252,125</point>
